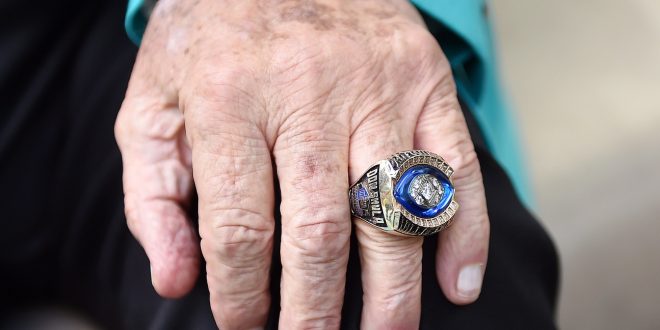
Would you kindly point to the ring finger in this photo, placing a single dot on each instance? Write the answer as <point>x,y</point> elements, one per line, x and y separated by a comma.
<point>391,265</point>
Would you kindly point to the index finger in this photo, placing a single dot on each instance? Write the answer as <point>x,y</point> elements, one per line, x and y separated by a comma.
<point>233,175</point>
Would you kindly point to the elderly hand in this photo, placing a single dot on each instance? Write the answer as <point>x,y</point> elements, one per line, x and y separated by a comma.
<point>232,95</point>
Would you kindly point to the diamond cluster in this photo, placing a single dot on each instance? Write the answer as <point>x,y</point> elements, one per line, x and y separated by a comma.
<point>426,190</point>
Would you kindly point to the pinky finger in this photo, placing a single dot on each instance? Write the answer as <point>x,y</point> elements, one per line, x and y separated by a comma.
<point>157,184</point>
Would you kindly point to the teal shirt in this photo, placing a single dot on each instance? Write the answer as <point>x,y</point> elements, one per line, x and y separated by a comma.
<point>472,59</point>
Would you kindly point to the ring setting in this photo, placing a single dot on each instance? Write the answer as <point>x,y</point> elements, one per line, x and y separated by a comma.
<point>410,193</point>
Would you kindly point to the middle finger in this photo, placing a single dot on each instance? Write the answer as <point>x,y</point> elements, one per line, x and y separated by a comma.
<point>312,168</point>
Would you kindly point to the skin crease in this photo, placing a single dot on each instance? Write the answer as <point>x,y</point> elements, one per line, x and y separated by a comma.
<point>223,93</point>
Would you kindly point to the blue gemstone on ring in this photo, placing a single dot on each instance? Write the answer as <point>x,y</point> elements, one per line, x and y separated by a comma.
<point>425,179</point>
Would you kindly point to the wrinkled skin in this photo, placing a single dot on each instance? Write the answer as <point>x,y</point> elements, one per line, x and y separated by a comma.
<point>227,93</point>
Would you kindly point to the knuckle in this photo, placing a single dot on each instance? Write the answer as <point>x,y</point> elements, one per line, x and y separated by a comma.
<point>242,314</point>
<point>129,120</point>
<point>466,161</point>
<point>383,132</point>
<point>456,144</point>
<point>223,87</point>
<point>239,235</point>
<point>479,229</point>
<point>467,169</point>
<point>420,56</point>
<point>141,119</point>
<point>473,238</point>
<point>322,233</point>
<point>421,45</point>
<point>120,126</point>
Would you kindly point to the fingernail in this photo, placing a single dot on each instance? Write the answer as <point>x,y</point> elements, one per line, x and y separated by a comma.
<point>469,281</point>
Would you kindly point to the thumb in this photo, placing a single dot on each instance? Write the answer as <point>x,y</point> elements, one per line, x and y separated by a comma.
<point>157,185</point>
<point>463,247</point>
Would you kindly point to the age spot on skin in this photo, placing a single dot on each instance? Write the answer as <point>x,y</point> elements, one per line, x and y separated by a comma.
<point>310,12</point>
<point>381,13</point>
<point>311,169</point>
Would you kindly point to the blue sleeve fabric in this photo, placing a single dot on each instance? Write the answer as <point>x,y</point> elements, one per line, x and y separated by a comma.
<point>478,83</point>
<point>135,21</point>
<point>474,67</point>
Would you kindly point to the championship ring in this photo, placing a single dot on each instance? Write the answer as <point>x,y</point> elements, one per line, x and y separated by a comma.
<point>410,193</point>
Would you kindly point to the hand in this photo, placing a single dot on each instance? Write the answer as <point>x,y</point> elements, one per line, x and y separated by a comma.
<point>228,93</point>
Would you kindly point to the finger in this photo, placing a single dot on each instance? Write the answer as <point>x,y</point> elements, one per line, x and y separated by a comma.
<point>234,180</point>
<point>391,265</point>
<point>463,247</point>
<point>312,169</point>
<point>157,184</point>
